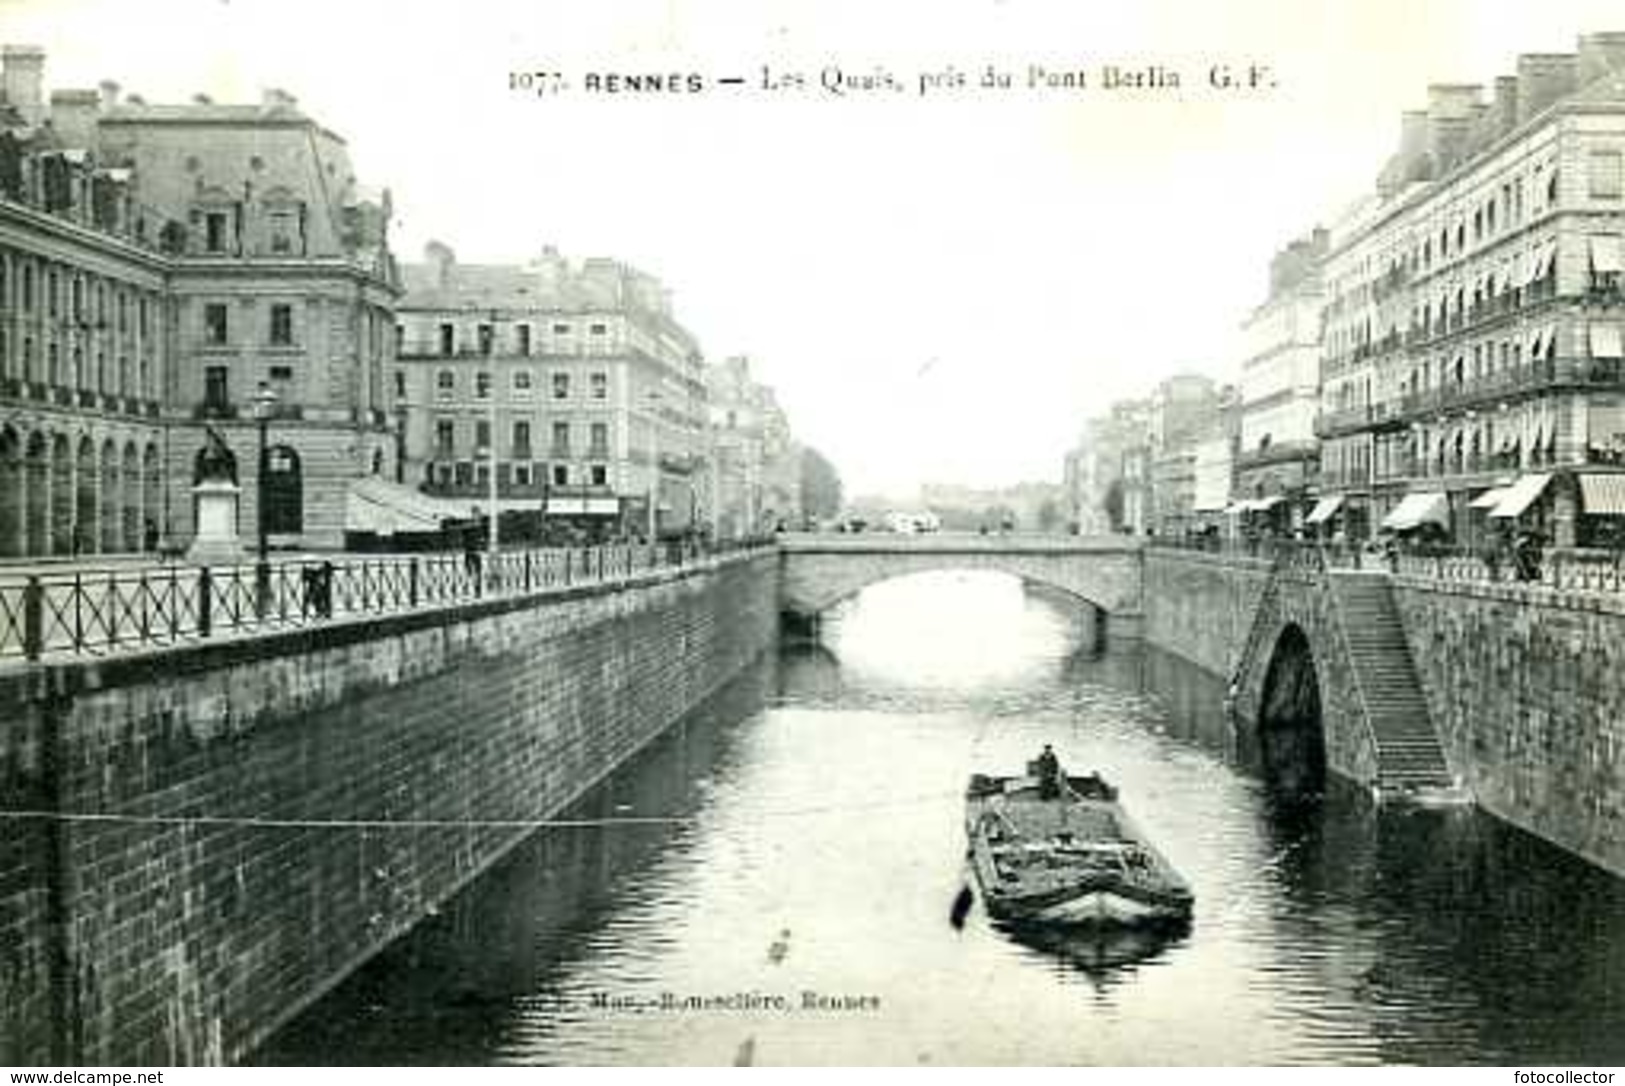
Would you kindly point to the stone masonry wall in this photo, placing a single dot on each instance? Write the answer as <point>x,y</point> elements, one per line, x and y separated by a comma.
<point>298,801</point>
<point>1525,687</point>
<point>1200,606</point>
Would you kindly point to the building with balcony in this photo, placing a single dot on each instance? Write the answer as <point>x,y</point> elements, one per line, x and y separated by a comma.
<point>755,463</point>
<point>1279,391</point>
<point>158,263</point>
<point>1472,364</point>
<point>575,382</point>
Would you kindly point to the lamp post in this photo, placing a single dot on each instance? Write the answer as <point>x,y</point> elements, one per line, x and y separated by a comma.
<point>654,467</point>
<point>491,405</point>
<point>264,407</point>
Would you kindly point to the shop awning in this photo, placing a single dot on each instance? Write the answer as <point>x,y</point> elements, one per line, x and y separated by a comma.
<point>1604,495</point>
<point>1324,509</point>
<point>1235,509</point>
<point>1605,340</point>
<point>1262,505</point>
<point>1606,253</point>
<point>1520,495</point>
<point>383,508</point>
<point>1490,498</point>
<point>1418,509</point>
<point>583,507</point>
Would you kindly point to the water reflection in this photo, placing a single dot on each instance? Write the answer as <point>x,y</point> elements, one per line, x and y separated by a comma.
<point>821,846</point>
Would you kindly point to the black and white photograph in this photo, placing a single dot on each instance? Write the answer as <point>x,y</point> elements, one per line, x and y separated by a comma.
<point>910,533</point>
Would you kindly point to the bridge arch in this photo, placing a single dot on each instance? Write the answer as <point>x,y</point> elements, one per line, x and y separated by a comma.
<point>1291,724</point>
<point>817,574</point>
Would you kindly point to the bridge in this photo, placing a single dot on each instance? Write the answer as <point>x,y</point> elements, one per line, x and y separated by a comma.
<point>819,571</point>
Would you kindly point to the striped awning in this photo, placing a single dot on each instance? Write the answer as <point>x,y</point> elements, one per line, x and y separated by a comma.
<point>1606,341</point>
<point>1604,495</point>
<point>1489,499</point>
<point>1418,509</point>
<point>1324,509</point>
<point>1605,253</point>
<point>378,506</point>
<point>1520,495</point>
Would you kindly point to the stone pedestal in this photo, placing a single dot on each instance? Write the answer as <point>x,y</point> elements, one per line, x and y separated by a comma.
<point>216,541</point>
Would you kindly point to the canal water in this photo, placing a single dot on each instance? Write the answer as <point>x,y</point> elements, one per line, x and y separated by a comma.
<point>815,846</point>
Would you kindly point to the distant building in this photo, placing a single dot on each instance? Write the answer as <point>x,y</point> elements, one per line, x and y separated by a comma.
<point>755,467</point>
<point>1094,471</point>
<point>1280,387</point>
<point>158,265</point>
<point>1182,410</point>
<point>577,382</point>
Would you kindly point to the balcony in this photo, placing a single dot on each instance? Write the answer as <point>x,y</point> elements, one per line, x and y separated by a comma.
<point>211,410</point>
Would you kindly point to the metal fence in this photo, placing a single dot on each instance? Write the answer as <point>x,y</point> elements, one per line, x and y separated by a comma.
<point>96,612</point>
<point>1563,569</point>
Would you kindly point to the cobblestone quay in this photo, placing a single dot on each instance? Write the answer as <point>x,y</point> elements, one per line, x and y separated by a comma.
<point>246,821</point>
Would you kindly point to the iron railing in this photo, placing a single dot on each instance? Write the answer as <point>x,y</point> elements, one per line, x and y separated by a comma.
<point>98,612</point>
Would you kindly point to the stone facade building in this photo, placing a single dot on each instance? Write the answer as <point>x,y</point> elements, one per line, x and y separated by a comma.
<point>755,467</point>
<point>576,381</point>
<point>1280,385</point>
<point>158,264</point>
<point>1472,371</point>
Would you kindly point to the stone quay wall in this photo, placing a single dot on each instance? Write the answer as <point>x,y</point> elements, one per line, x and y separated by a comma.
<point>1524,684</point>
<point>1526,687</point>
<point>238,825</point>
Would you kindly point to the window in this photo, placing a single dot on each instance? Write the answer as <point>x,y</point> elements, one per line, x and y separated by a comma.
<point>216,393</point>
<point>599,439</point>
<point>462,473</point>
<point>123,313</point>
<point>598,329</point>
<point>400,384</point>
<point>282,325</point>
<point>521,475</point>
<point>281,223</point>
<point>524,339</point>
<point>561,386</point>
<point>214,232</point>
<point>599,385</point>
<point>561,439</point>
<point>448,340</point>
<point>488,338</point>
<point>521,440</point>
<point>53,287</point>
<point>482,436</point>
<point>1551,190</point>
<point>445,438</point>
<point>78,298</point>
<point>482,385</point>
<point>141,317</point>
<point>561,329</point>
<point>1606,175</point>
<point>445,383</point>
<point>521,382</point>
<point>28,287</point>
<point>600,475</point>
<point>214,323</point>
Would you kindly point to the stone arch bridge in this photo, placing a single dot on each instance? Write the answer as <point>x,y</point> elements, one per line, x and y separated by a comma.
<point>819,571</point>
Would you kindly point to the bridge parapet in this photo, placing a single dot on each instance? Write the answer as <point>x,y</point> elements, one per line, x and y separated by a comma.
<point>819,571</point>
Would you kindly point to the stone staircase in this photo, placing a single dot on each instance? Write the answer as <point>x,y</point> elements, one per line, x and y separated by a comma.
<point>1409,758</point>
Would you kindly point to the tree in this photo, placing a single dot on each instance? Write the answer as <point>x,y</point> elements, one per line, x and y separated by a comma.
<point>1049,516</point>
<point>820,485</point>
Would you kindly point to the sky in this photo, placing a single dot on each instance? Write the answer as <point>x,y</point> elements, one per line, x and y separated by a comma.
<point>940,287</point>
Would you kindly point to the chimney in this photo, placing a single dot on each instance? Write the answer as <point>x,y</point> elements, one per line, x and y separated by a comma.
<point>73,116</point>
<point>1506,104</point>
<point>440,259</point>
<point>274,98</point>
<point>1452,108</point>
<point>22,75</point>
<point>1543,78</point>
<point>1601,54</point>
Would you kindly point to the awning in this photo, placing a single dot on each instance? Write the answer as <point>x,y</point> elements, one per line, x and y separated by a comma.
<point>1520,495</point>
<point>1418,509</point>
<point>1605,340</point>
<point>383,508</point>
<point>1606,253</point>
<point>1490,498</point>
<point>1237,508</point>
<point>1604,495</point>
<point>1260,505</point>
<point>583,507</point>
<point>1324,509</point>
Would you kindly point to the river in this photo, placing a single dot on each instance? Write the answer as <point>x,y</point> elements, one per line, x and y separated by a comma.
<point>814,844</point>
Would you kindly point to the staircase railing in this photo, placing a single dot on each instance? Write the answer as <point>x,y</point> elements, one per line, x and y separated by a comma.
<point>1321,575</point>
<point>1256,631</point>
